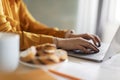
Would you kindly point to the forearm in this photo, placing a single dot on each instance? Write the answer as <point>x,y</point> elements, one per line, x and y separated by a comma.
<point>27,39</point>
<point>30,39</point>
<point>31,25</point>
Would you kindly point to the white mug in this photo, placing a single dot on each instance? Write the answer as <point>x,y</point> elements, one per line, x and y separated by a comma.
<point>9,51</point>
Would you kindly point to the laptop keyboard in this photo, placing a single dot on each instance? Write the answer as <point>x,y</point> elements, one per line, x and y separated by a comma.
<point>102,49</point>
<point>94,56</point>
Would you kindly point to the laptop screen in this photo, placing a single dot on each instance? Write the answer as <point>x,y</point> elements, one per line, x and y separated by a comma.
<point>114,47</point>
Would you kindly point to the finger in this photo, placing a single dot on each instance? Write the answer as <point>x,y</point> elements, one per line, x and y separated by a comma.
<point>95,39</point>
<point>92,37</point>
<point>98,41</point>
<point>88,45</point>
<point>83,49</point>
<point>91,46</point>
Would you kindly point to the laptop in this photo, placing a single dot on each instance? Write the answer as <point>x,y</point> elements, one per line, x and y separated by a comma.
<point>105,53</point>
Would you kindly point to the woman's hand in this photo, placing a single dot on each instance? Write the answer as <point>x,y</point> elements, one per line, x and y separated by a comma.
<point>77,43</point>
<point>96,40</point>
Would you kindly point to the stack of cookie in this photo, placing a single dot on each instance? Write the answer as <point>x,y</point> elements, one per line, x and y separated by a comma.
<point>43,54</point>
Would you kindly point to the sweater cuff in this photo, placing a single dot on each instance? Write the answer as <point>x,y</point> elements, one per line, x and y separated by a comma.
<point>46,39</point>
<point>61,33</point>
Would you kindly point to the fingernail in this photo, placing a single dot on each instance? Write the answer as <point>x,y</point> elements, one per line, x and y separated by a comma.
<point>98,44</point>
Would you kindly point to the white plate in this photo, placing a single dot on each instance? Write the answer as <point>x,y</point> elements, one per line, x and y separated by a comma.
<point>33,49</point>
<point>42,65</point>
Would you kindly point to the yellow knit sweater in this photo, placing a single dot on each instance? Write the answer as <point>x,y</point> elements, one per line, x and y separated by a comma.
<point>15,18</point>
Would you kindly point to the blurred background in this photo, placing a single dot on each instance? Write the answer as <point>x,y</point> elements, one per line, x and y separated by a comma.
<point>100,17</point>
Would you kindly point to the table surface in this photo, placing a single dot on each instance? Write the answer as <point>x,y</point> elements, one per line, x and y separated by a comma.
<point>86,70</point>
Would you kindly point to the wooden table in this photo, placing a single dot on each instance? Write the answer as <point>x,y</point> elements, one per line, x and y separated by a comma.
<point>84,69</point>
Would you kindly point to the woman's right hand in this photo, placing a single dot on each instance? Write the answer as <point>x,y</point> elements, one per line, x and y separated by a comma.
<point>77,44</point>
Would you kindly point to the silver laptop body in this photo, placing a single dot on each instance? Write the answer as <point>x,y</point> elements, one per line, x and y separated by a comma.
<point>106,50</point>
